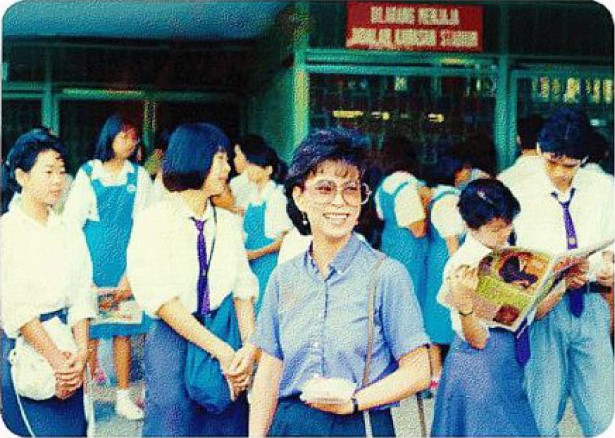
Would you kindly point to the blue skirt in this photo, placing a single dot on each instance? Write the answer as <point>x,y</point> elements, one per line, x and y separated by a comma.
<point>168,409</point>
<point>295,418</point>
<point>52,417</point>
<point>481,391</point>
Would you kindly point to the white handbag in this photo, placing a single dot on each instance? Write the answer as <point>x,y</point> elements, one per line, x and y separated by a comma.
<point>33,376</point>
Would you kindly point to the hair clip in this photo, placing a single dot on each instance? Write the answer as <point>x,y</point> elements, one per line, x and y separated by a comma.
<point>482,195</point>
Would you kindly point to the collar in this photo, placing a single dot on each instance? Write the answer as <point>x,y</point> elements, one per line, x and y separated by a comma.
<point>182,209</point>
<point>342,260</point>
<point>98,171</point>
<point>268,190</point>
<point>53,221</point>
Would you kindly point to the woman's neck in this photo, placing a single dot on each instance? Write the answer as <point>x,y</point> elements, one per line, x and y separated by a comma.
<point>36,210</point>
<point>196,200</point>
<point>114,165</point>
<point>324,251</point>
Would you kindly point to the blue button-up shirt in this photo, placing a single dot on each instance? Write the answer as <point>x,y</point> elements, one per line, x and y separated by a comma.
<point>318,326</point>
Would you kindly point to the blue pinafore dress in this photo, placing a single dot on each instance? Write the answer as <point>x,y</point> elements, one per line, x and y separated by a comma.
<point>481,392</point>
<point>107,240</point>
<point>254,227</point>
<point>400,244</point>
<point>437,317</point>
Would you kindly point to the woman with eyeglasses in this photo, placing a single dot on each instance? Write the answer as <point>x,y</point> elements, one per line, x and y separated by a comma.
<point>313,324</point>
<point>107,193</point>
<point>265,221</point>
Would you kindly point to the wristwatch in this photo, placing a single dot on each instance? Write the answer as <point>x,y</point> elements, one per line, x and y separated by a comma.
<point>355,405</point>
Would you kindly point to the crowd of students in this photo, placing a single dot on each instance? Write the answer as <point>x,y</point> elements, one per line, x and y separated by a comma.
<point>291,249</point>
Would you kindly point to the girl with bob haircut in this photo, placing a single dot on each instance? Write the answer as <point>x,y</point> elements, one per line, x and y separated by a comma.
<point>107,193</point>
<point>481,392</point>
<point>186,257</point>
<point>46,273</point>
<point>314,320</point>
<point>265,221</point>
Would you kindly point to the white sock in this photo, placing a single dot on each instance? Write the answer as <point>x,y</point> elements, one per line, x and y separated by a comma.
<point>123,394</point>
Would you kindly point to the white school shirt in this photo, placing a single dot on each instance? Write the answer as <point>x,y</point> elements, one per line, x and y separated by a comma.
<point>81,203</point>
<point>44,268</point>
<point>242,188</point>
<point>540,225</point>
<point>408,205</point>
<point>445,215</point>
<point>293,244</point>
<point>163,261</point>
<point>277,221</point>
<point>159,191</point>
<point>525,167</point>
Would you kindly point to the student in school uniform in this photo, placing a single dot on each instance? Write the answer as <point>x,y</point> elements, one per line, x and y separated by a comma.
<point>314,319</point>
<point>265,221</point>
<point>241,187</point>
<point>46,273</point>
<point>445,231</point>
<point>187,256</point>
<point>400,206</point>
<point>481,390</point>
<point>107,194</point>
<point>563,208</point>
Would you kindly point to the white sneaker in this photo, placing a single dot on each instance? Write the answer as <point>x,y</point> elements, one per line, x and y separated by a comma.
<point>127,409</point>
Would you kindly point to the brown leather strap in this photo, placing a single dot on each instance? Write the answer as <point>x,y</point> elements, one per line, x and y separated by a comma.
<point>370,321</point>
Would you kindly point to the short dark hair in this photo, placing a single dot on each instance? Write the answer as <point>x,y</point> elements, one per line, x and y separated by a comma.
<point>251,142</point>
<point>335,144</point>
<point>188,159</point>
<point>566,133</point>
<point>112,127</point>
<point>443,171</point>
<point>23,155</point>
<point>483,200</point>
<point>263,157</point>
<point>528,129</point>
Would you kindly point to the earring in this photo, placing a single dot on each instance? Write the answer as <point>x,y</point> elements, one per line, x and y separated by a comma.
<point>305,219</point>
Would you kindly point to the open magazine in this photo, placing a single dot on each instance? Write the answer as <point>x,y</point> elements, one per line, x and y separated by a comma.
<point>513,281</point>
<point>111,311</point>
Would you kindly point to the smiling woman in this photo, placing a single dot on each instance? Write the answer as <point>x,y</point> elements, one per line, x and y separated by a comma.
<point>314,319</point>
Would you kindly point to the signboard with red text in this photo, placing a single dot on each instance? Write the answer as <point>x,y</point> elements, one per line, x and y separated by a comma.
<point>414,27</point>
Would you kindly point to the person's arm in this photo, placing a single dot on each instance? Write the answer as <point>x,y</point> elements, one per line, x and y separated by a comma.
<point>265,395</point>
<point>80,200</point>
<point>418,228</point>
<point>185,324</point>
<point>462,284</point>
<point>411,376</point>
<point>452,244</point>
<point>271,248</point>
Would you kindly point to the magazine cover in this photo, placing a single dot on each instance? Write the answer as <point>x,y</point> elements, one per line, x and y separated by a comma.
<point>513,281</point>
<point>111,311</point>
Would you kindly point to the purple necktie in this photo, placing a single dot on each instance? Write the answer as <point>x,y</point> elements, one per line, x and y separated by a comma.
<point>576,296</point>
<point>202,286</point>
<point>522,344</point>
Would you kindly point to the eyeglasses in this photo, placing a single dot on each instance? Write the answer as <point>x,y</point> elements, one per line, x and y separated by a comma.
<point>353,193</point>
<point>569,163</point>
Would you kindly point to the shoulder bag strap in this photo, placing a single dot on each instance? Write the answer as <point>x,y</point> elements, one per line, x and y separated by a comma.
<point>371,316</point>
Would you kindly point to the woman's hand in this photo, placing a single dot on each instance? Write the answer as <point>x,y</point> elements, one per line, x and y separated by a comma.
<point>338,409</point>
<point>605,276</point>
<point>69,374</point>
<point>576,276</point>
<point>240,371</point>
<point>225,356</point>
<point>462,283</point>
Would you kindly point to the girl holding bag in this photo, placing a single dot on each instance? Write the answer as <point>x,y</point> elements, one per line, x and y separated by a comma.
<point>315,316</point>
<point>46,274</point>
<point>186,260</point>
